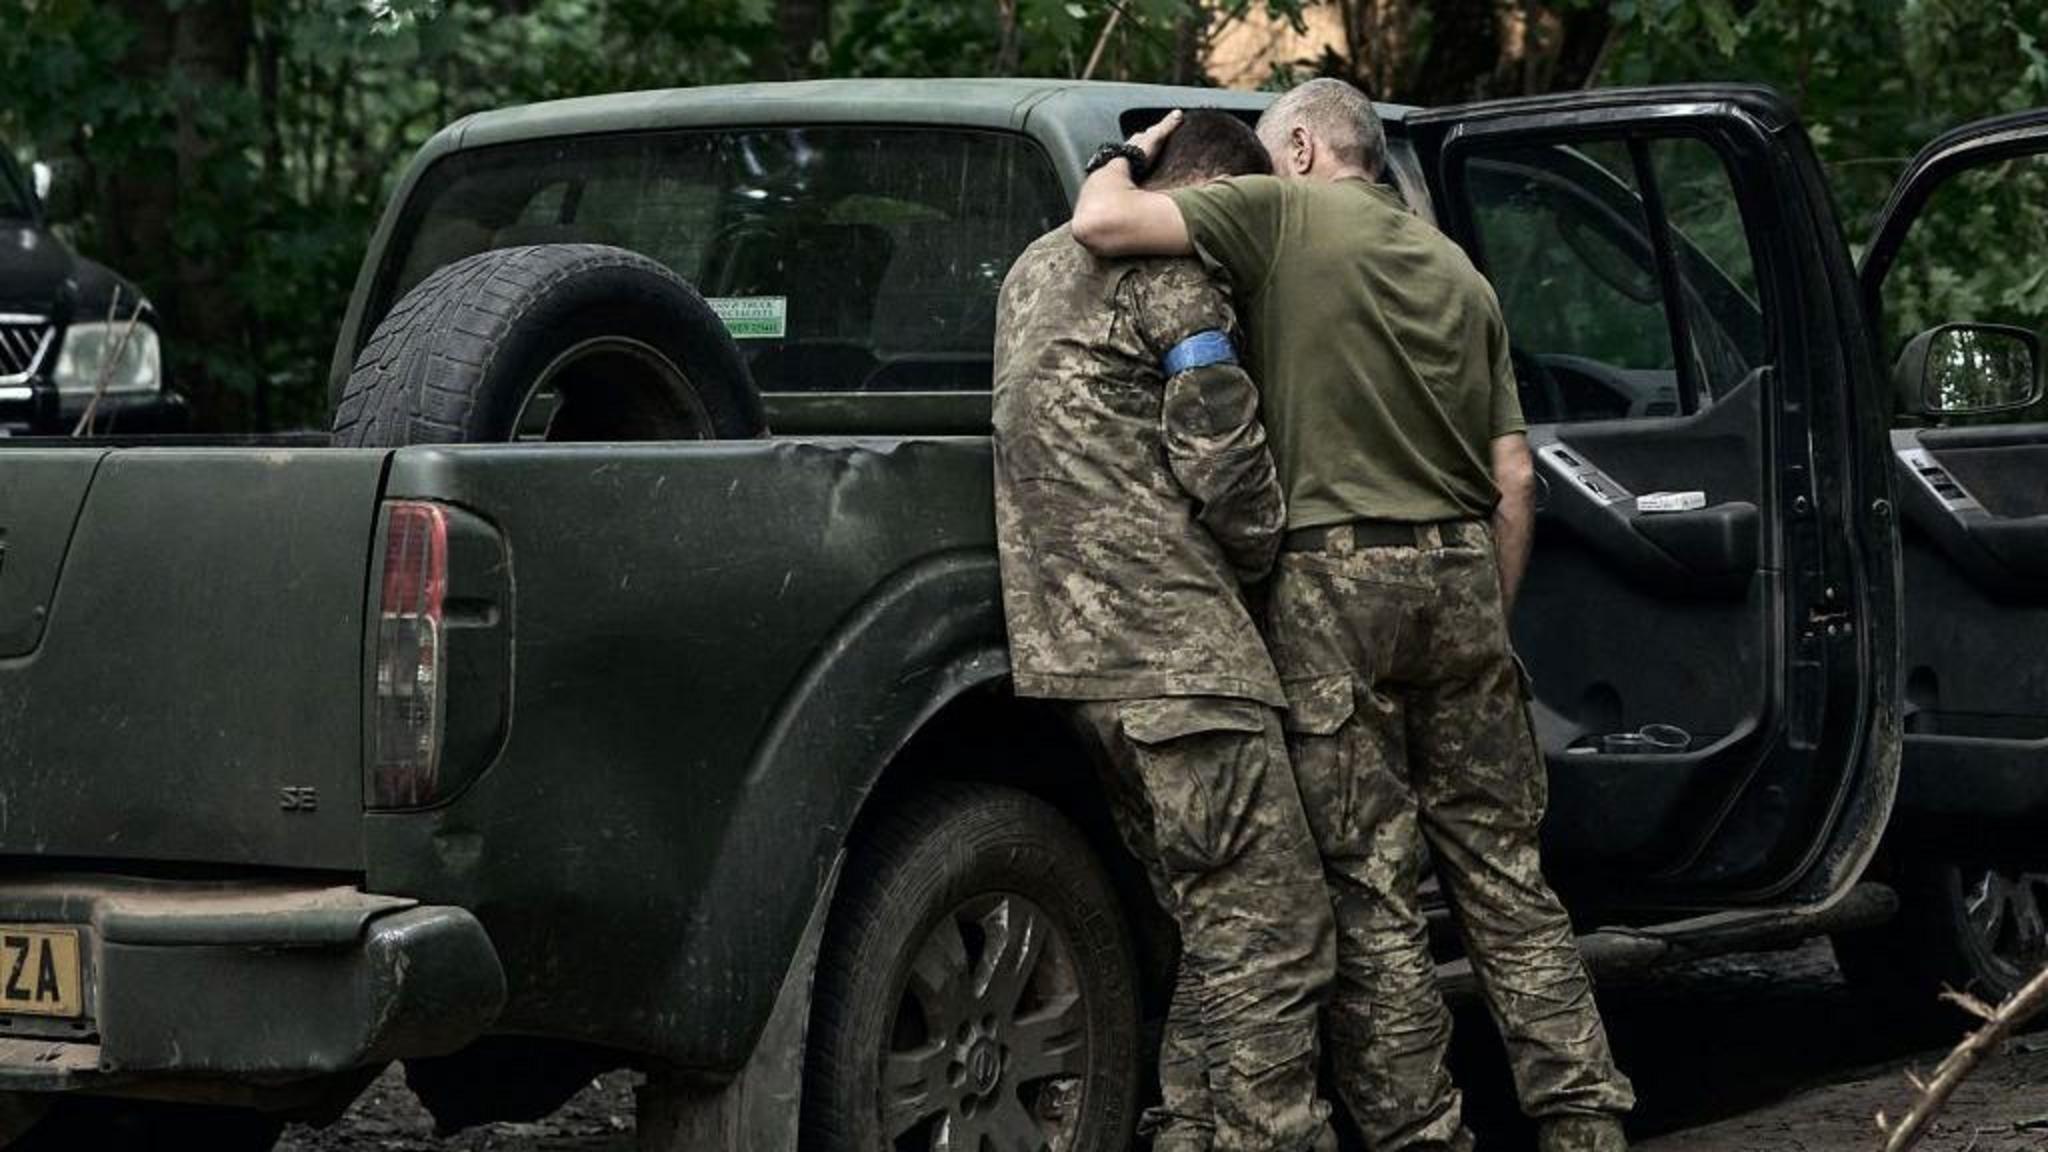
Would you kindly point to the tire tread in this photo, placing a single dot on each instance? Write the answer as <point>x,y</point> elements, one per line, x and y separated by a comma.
<point>418,380</point>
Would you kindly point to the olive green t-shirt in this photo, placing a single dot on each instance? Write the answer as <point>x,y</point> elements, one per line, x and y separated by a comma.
<point>1378,348</point>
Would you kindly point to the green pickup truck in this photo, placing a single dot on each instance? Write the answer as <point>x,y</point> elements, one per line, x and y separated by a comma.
<point>627,685</point>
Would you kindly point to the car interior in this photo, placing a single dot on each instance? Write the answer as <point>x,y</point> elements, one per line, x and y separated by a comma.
<point>1969,472</point>
<point>885,248</point>
<point>1645,620</point>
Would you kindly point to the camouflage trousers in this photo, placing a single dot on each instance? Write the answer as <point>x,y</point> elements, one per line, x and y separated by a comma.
<point>1204,797</point>
<point>1410,736</point>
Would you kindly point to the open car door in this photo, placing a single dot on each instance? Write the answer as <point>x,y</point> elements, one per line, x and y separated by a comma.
<point>1710,619</point>
<point>1956,281</point>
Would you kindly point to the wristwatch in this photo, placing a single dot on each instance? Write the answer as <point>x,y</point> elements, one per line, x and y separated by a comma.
<point>1125,149</point>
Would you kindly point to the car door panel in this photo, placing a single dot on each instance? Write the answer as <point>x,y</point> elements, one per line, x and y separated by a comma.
<point>1973,499</point>
<point>1705,553</point>
<point>1607,652</point>
<point>1595,473</point>
<point>2002,465</point>
<point>1756,623</point>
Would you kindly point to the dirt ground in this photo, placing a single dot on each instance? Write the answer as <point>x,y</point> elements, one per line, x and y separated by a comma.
<point>1761,1053</point>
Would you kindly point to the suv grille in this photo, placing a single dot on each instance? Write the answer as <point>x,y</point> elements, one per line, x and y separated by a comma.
<point>24,342</point>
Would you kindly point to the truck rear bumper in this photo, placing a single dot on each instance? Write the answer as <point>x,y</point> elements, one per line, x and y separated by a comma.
<point>264,983</point>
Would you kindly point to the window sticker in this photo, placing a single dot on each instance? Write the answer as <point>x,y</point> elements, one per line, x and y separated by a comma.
<point>753,317</point>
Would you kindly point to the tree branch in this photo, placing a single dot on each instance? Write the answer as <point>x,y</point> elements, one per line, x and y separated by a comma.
<point>1999,1023</point>
<point>1116,17</point>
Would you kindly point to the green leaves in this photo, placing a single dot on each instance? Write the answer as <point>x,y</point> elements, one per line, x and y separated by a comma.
<point>300,155</point>
<point>1719,21</point>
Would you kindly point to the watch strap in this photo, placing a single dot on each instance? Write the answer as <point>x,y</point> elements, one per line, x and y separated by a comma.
<point>1130,152</point>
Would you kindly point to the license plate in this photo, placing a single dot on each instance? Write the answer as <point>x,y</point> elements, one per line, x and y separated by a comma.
<point>39,972</point>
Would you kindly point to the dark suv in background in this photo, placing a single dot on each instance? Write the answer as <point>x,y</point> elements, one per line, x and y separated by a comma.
<point>71,329</point>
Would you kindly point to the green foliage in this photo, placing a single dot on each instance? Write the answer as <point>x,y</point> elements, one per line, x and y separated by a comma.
<point>1874,79</point>
<point>237,169</point>
<point>1972,256</point>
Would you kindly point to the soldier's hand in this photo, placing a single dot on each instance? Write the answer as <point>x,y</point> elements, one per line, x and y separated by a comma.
<point>1151,138</point>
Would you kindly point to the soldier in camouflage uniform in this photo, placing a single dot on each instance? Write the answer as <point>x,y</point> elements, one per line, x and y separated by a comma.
<point>1134,497</point>
<point>1388,391</point>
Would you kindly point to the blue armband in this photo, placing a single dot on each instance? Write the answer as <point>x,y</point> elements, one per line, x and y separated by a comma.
<point>1199,351</point>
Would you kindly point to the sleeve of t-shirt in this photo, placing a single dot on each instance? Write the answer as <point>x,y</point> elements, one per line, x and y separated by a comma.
<point>1235,225</point>
<point>1507,400</point>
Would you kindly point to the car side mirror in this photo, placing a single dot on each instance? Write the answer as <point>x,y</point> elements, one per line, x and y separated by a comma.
<point>1970,369</point>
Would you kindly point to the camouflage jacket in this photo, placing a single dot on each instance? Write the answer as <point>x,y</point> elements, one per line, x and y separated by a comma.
<point>1129,506</point>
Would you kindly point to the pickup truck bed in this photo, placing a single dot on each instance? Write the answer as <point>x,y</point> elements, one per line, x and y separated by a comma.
<point>553,831</point>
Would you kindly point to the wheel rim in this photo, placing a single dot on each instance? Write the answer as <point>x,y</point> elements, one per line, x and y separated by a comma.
<point>611,388</point>
<point>989,1048</point>
<point>2005,917</point>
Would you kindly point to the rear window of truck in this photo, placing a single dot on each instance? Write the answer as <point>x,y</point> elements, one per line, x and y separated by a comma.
<point>842,259</point>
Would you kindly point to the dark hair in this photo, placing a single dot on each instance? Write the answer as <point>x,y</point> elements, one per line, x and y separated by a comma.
<point>1208,144</point>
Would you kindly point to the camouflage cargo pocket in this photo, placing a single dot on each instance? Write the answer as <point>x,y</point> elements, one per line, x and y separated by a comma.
<point>1191,754</point>
<point>1318,708</point>
<point>1275,1072</point>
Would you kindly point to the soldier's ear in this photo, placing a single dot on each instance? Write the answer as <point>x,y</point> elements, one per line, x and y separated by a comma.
<point>1301,151</point>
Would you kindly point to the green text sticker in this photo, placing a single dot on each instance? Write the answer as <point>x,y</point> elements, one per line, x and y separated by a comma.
<point>753,317</point>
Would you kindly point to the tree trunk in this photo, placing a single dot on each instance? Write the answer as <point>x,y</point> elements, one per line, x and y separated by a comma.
<point>269,67</point>
<point>212,56</point>
<point>135,202</point>
<point>1463,56</point>
<point>802,27</point>
<point>1006,38</point>
<point>1190,34</point>
<point>1452,51</point>
<point>188,54</point>
<point>1582,48</point>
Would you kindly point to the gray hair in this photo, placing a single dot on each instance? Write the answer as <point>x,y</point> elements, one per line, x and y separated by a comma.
<point>1337,114</point>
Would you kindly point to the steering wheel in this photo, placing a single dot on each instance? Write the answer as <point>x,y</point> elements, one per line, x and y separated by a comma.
<point>1531,375</point>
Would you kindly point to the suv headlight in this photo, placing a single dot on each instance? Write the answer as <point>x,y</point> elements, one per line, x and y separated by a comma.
<point>87,349</point>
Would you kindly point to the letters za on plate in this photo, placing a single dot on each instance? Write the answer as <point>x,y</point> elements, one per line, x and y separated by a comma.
<point>39,972</point>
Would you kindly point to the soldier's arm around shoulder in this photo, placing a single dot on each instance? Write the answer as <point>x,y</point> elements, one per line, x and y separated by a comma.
<point>1215,444</point>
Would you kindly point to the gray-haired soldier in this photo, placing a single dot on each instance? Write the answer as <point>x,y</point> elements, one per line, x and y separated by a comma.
<point>1134,495</point>
<point>1387,390</point>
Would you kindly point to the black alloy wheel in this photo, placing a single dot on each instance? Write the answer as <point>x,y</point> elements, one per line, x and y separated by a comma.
<point>977,992</point>
<point>1971,926</point>
<point>1999,914</point>
<point>989,1045</point>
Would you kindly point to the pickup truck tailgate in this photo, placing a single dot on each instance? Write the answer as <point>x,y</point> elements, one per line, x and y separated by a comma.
<point>181,654</point>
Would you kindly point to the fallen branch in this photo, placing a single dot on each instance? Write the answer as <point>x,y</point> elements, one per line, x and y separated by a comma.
<point>1999,1023</point>
<point>108,361</point>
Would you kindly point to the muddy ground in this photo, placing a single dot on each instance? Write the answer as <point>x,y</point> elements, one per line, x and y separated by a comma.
<point>1762,1053</point>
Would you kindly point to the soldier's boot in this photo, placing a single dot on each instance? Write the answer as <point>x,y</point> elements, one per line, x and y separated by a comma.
<point>1580,1134</point>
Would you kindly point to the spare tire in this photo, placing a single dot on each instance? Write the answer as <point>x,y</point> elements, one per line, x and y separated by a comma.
<point>563,342</point>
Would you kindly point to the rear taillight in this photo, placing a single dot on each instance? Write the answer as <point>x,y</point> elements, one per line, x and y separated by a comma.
<point>410,656</point>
